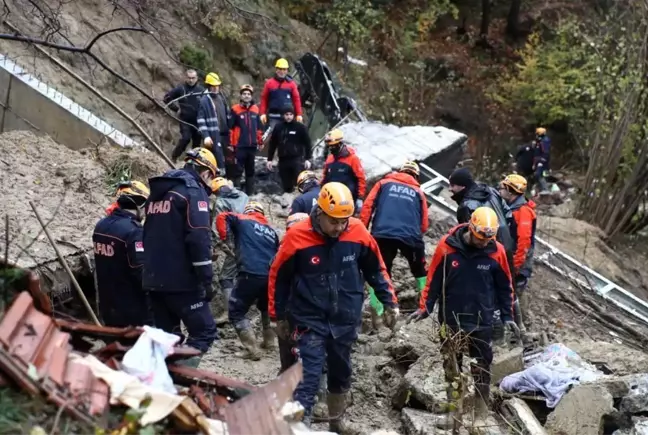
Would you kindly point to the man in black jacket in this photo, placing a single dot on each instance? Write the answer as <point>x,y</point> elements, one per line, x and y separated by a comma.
<point>184,100</point>
<point>292,143</point>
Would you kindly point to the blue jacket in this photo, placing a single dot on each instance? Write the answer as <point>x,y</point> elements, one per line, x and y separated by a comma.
<point>119,256</point>
<point>346,168</point>
<point>210,126</point>
<point>477,282</point>
<point>305,202</point>
<point>255,241</point>
<point>542,150</point>
<point>399,209</point>
<point>177,233</point>
<point>317,282</point>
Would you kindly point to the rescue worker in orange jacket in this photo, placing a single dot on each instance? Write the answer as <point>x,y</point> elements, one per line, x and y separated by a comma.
<point>469,277</point>
<point>246,131</point>
<point>315,294</point>
<point>397,210</point>
<point>523,230</point>
<point>344,166</point>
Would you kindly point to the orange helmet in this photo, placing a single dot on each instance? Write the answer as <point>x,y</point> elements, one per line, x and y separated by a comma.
<point>483,223</point>
<point>335,200</point>
<point>294,218</point>
<point>219,182</point>
<point>133,188</point>
<point>410,167</point>
<point>334,137</point>
<point>203,157</point>
<point>303,178</point>
<point>516,182</point>
<point>254,207</point>
<point>246,88</point>
<point>541,131</point>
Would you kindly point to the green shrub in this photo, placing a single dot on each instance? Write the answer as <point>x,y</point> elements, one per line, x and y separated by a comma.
<point>196,58</point>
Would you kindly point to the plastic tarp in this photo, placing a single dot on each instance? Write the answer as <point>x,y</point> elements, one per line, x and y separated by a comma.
<point>552,373</point>
<point>384,147</point>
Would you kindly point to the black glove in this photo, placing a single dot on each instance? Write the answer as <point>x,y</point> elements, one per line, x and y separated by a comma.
<point>281,328</point>
<point>417,315</point>
<point>207,292</point>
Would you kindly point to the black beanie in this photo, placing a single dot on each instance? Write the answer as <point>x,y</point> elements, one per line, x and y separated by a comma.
<point>462,177</point>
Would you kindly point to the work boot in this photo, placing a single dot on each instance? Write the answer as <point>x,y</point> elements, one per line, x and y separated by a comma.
<point>223,318</point>
<point>269,339</point>
<point>249,342</point>
<point>376,320</point>
<point>336,409</point>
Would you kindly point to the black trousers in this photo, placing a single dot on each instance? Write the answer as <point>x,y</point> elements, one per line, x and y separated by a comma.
<point>415,255</point>
<point>289,169</point>
<point>478,344</point>
<point>188,133</point>
<point>245,161</point>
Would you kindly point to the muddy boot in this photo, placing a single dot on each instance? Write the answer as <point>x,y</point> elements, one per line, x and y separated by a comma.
<point>249,342</point>
<point>269,339</point>
<point>336,408</point>
<point>223,318</point>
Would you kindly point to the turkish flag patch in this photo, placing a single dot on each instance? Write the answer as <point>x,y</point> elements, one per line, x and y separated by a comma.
<point>139,246</point>
<point>203,206</point>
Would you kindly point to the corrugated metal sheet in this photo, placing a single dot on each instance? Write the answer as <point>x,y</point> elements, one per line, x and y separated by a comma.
<point>259,412</point>
<point>34,353</point>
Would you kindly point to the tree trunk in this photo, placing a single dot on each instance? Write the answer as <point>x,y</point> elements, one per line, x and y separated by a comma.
<point>513,19</point>
<point>485,21</point>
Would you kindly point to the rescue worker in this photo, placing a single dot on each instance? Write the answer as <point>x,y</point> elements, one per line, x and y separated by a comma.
<point>119,256</point>
<point>315,295</point>
<point>226,198</point>
<point>185,100</point>
<point>469,276</point>
<point>178,264</point>
<point>213,121</point>
<point>344,166</point>
<point>542,147</point>
<point>470,195</point>
<point>397,210</point>
<point>524,160</point>
<point>256,244</point>
<point>292,143</point>
<point>309,189</point>
<point>246,136</point>
<point>279,93</point>
<point>512,190</point>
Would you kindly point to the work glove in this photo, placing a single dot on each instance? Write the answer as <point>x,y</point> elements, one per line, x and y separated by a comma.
<point>307,164</point>
<point>390,317</point>
<point>221,172</point>
<point>513,327</point>
<point>230,148</point>
<point>281,328</point>
<point>264,119</point>
<point>358,206</point>
<point>207,292</point>
<point>270,165</point>
<point>299,118</point>
<point>417,316</point>
<point>521,282</point>
<point>208,142</point>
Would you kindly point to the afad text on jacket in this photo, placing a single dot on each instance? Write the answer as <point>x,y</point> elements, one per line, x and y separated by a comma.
<point>468,283</point>
<point>256,242</point>
<point>177,233</point>
<point>346,168</point>
<point>397,209</point>
<point>119,256</point>
<point>317,282</point>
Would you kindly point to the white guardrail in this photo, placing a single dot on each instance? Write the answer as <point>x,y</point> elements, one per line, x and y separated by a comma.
<point>556,260</point>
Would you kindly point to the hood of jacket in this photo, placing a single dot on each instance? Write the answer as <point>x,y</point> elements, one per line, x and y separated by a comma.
<point>456,240</point>
<point>404,178</point>
<point>162,184</point>
<point>520,201</point>
<point>478,192</point>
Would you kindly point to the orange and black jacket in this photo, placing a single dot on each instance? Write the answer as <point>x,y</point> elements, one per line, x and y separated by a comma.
<point>397,209</point>
<point>468,283</point>
<point>523,232</point>
<point>317,282</point>
<point>346,168</point>
<point>255,241</point>
<point>246,129</point>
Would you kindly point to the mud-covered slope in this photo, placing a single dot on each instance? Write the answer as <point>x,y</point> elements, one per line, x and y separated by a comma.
<point>150,60</point>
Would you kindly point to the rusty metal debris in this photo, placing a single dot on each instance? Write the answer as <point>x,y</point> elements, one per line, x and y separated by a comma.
<point>35,354</point>
<point>259,412</point>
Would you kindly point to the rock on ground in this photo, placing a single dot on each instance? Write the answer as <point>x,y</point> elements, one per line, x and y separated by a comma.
<point>581,411</point>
